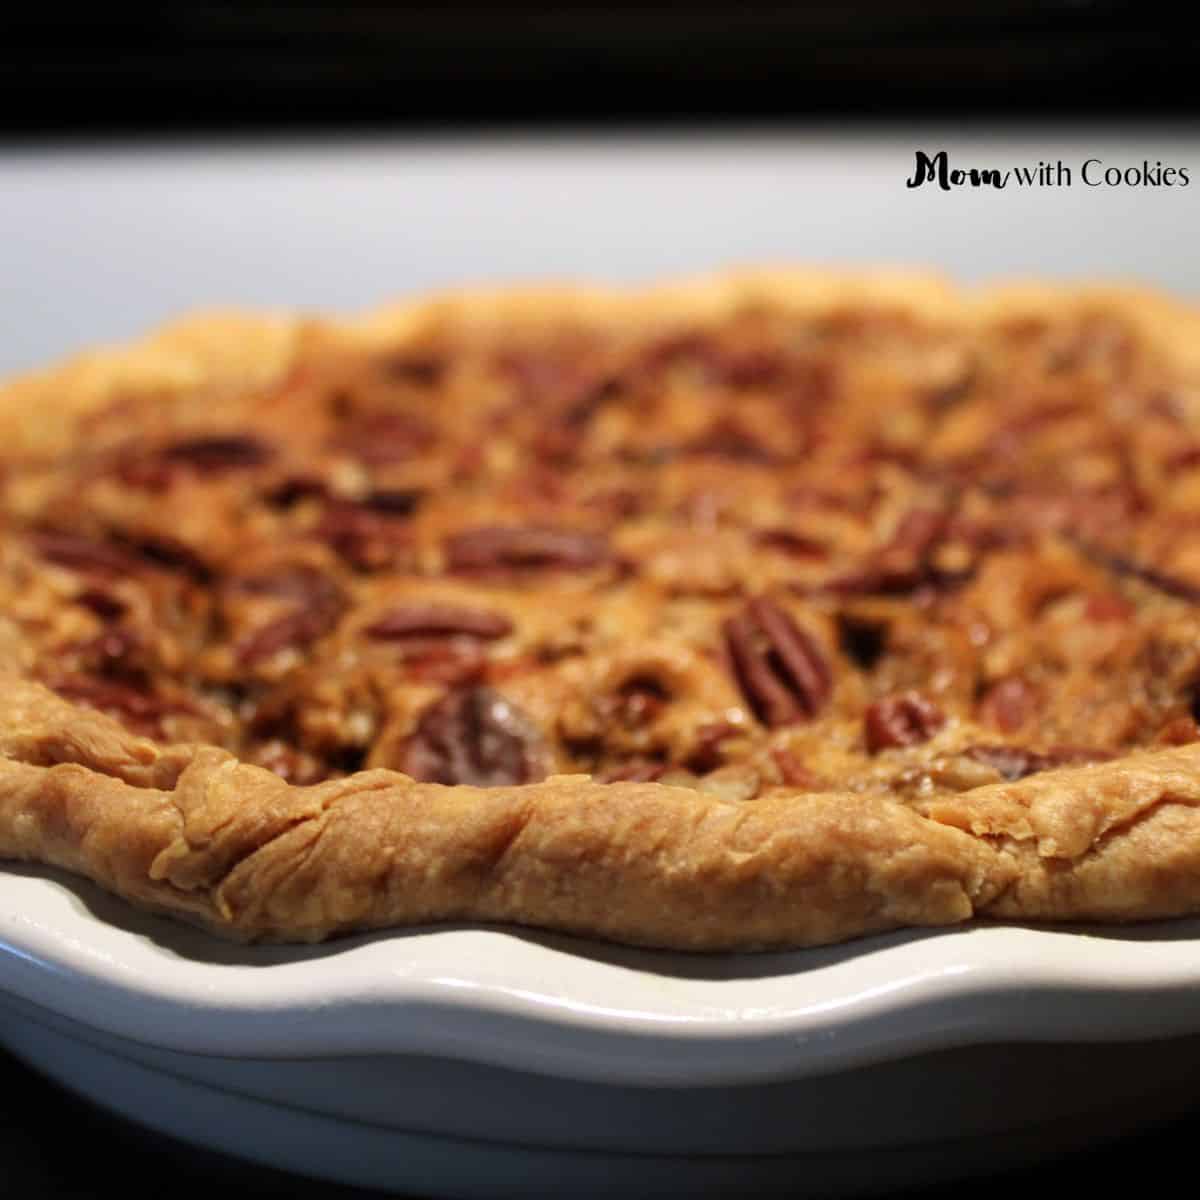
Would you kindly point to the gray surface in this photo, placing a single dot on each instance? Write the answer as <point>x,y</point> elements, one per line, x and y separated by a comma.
<point>101,243</point>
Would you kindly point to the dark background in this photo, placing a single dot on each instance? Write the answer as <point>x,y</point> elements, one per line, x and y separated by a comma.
<point>54,1145</point>
<point>189,66</point>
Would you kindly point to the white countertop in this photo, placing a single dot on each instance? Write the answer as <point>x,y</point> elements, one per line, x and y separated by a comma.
<point>105,241</point>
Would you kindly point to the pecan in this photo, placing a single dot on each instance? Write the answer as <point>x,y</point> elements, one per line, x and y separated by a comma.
<point>393,502</point>
<point>725,438</point>
<point>904,720</point>
<point>562,437</point>
<point>633,770</point>
<point>382,438</point>
<point>1015,762</point>
<point>736,367</point>
<point>1184,458</point>
<point>498,546</point>
<point>291,630</point>
<point>417,370</point>
<point>792,771</point>
<point>146,471</point>
<point>287,493</point>
<point>1170,585</point>
<point>83,554</point>
<point>117,652</point>
<point>167,554</point>
<point>1073,756</point>
<point>561,379</point>
<point>750,367</point>
<point>618,503</point>
<point>903,563</point>
<point>780,668</point>
<point>130,702</point>
<point>449,661</point>
<point>706,753</point>
<point>789,542</point>
<point>1178,732</point>
<point>473,735</point>
<point>307,585</point>
<point>1008,704</point>
<point>214,453</point>
<point>425,620</point>
<point>366,537</point>
<point>670,350</point>
<point>640,700</point>
<point>1009,438</point>
<point>1108,607</point>
<point>1084,516</point>
<point>102,603</point>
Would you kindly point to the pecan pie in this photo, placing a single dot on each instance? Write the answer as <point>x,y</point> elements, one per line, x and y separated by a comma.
<point>761,611</point>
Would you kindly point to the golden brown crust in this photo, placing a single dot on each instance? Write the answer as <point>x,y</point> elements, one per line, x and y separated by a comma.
<point>237,849</point>
<point>195,832</point>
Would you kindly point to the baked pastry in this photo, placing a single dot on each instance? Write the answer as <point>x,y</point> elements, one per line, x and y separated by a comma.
<point>767,610</point>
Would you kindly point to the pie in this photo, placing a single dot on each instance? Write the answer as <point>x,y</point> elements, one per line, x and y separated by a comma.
<point>758,611</point>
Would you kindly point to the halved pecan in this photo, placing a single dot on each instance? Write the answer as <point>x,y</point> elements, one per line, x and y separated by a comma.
<point>633,770</point>
<point>448,661</point>
<point>156,467</point>
<point>425,620</point>
<point>1008,703</point>
<point>473,735</point>
<point>218,452</point>
<point>780,668</point>
<point>902,564</point>
<point>366,537</point>
<point>640,700</point>
<point>102,603</point>
<point>1163,581</point>
<point>84,554</point>
<point>132,703</point>
<point>1108,606</point>
<point>293,629</point>
<point>499,546</point>
<point>904,720</point>
<point>1178,732</point>
<point>306,584</point>
<point>379,439</point>
<point>288,492</point>
<point>705,753</point>
<point>792,771</point>
<point>417,369</point>
<point>118,651</point>
<point>789,542</point>
<point>725,438</point>
<point>166,553</point>
<point>1015,762</point>
<point>392,502</point>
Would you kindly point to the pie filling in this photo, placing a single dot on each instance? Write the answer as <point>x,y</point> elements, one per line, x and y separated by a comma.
<point>851,551</point>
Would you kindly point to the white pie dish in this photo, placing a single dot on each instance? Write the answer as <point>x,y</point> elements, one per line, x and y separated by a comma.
<point>368,1059</point>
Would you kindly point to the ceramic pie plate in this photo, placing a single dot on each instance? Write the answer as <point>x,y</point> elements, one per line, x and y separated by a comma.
<point>496,1061</point>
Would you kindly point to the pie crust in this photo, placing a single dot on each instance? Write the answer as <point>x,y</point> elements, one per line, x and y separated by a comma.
<point>958,683</point>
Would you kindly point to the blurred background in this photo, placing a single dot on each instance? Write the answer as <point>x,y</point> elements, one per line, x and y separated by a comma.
<point>210,67</point>
<point>157,159</point>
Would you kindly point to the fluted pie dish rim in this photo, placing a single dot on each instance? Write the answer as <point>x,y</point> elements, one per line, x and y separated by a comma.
<point>193,831</point>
